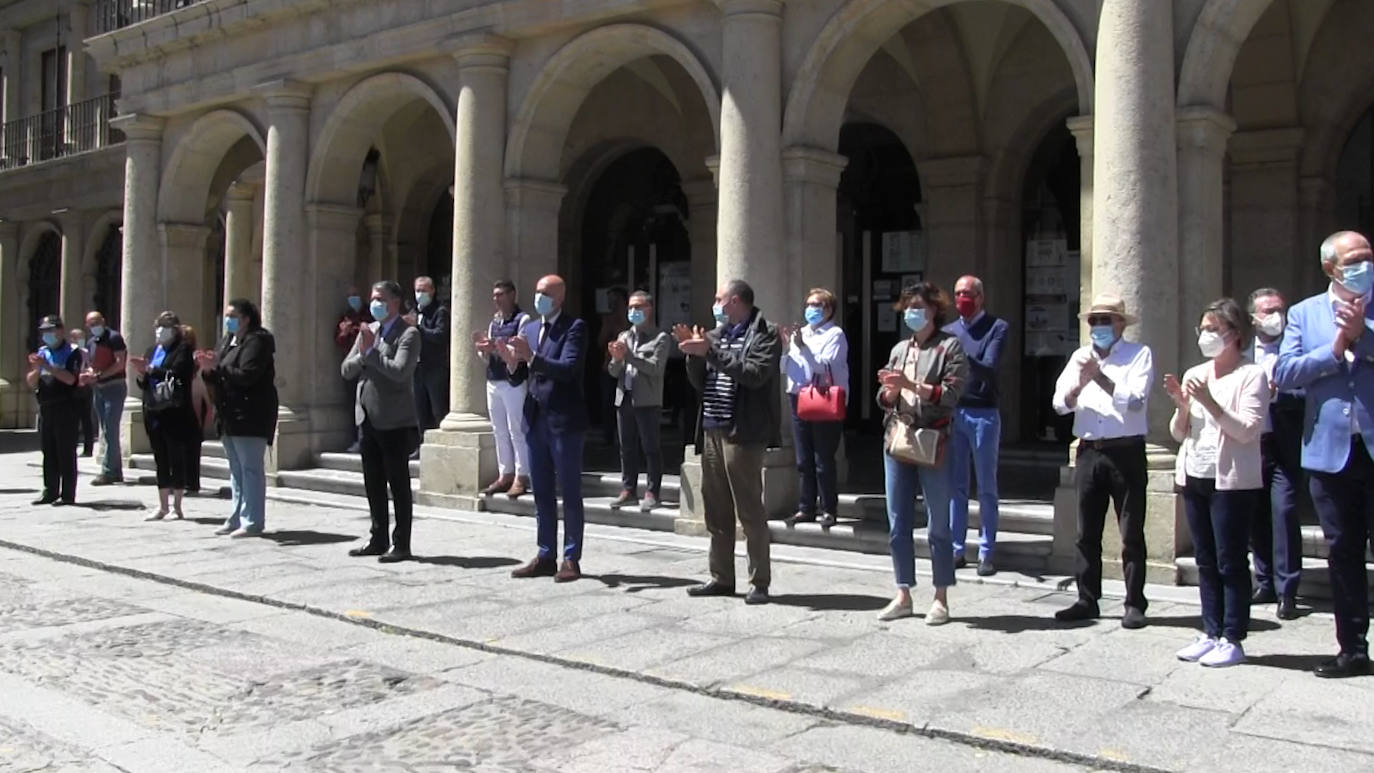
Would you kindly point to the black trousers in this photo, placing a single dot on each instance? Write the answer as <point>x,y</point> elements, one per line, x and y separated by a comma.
<point>86,420</point>
<point>386,465</point>
<point>1345,506</point>
<point>1112,475</point>
<point>57,426</point>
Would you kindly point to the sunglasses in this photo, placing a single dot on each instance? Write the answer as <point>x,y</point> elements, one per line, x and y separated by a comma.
<point>1101,320</point>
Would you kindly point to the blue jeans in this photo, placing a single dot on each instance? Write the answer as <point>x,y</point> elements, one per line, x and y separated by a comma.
<point>248,481</point>
<point>901,483</point>
<point>556,459</point>
<point>977,433</point>
<point>816,444</point>
<point>109,407</point>
<point>1220,523</point>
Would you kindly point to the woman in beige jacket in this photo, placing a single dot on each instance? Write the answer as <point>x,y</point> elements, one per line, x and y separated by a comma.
<point>1218,418</point>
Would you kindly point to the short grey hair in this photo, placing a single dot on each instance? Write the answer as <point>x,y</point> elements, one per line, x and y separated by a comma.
<point>973,280</point>
<point>642,295</point>
<point>1328,249</point>
<point>389,288</point>
<point>742,290</point>
<point>1263,292</point>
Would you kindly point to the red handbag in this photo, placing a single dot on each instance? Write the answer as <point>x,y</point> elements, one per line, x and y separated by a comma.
<point>821,403</point>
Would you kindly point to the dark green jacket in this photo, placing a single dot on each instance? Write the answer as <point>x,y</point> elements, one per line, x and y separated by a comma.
<point>758,396</point>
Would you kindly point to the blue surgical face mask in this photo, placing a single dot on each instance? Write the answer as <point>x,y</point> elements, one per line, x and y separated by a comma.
<point>355,302</point>
<point>815,315</point>
<point>231,324</point>
<point>51,340</point>
<point>543,304</point>
<point>718,313</point>
<point>423,299</point>
<point>636,316</point>
<point>915,319</point>
<point>1358,278</point>
<point>97,331</point>
<point>1103,336</point>
<point>378,310</point>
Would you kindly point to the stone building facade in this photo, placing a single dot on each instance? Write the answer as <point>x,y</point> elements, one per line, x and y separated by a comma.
<point>284,150</point>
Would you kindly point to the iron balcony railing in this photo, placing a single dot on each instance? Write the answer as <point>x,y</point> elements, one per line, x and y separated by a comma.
<point>111,15</point>
<point>65,131</point>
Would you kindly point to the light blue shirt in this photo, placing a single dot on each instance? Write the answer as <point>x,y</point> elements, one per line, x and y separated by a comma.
<point>826,354</point>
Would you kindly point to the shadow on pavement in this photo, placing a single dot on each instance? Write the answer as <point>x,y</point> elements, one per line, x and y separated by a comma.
<point>105,505</point>
<point>833,602</point>
<point>18,441</point>
<point>18,491</point>
<point>634,583</point>
<point>1288,662</point>
<point>1023,623</point>
<point>299,538</point>
<point>465,562</point>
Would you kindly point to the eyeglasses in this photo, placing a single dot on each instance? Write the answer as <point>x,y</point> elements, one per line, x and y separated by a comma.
<point>965,294</point>
<point>1101,320</point>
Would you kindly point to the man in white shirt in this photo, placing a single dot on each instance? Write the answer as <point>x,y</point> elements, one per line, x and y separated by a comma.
<point>1106,385</point>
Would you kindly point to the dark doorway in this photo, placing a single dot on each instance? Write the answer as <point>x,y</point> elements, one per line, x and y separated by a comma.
<point>45,282</point>
<point>633,237</point>
<point>438,262</point>
<point>218,240</point>
<point>108,276</point>
<point>53,96</point>
<point>878,200</point>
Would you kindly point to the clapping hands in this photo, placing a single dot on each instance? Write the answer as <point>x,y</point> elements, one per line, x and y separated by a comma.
<point>691,341</point>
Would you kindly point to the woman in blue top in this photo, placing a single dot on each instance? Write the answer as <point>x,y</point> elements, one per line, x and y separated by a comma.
<point>164,376</point>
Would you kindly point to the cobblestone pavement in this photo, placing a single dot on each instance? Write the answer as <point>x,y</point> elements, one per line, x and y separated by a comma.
<point>133,646</point>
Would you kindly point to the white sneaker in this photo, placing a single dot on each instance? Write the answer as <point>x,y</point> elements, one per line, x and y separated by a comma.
<point>1194,652</point>
<point>938,614</point>
<point>896,610</point>
<point>1226,653</point>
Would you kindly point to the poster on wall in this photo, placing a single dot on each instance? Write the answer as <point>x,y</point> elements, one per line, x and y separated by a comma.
<point>903,252</point>
<point>883,290</point>
<point>887,318</point>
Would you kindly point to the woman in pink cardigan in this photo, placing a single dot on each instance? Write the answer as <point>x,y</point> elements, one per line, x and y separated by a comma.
<point>1218,417</point>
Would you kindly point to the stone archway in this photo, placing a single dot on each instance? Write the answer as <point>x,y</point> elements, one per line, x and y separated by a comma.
<point>185,189</point>
<point>1210,57</point>
<point>41,261</point>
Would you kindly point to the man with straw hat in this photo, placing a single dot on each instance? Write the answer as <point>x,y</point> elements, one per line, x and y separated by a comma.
<point>1106,386</point>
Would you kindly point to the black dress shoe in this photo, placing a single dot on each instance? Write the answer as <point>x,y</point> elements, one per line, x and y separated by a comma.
<point>63,502</point>
<point>1133,619</point>
<point>1344,665</point>
<point>757,596</point>
<point>394,556</point>
<point>796,518</point>
<point>711,588</point>
<point>537,567</point>
<point>1081,610</point>
<point>1263,596</point>
<point>828,520</point>
<point>960,562</point>
<point>44,500</point>
<point>1288,608</point>
<point>368,550</point>
<point>986,568</point>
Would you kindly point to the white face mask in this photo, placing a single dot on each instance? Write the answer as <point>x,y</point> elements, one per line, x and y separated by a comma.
<point>1270,325</point>
<point>1211,343</point>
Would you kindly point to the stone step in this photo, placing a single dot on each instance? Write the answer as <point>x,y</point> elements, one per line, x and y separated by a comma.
<point>344,462</point>
<point>331,481</point>
<point>1315,584</point>
<point>210,467</point>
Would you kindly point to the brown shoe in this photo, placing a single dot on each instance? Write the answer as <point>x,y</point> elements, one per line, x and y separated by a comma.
<point>626,498</point>
<point>499,486</point>
<point>519,488</point>
<point>568,572</point>
<point>537,567</point>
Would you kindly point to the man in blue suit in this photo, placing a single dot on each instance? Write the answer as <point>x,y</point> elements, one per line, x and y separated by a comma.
<point>553,344</point>
<point>1329,351</point>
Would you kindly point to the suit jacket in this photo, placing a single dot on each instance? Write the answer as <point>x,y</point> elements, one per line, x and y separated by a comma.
<point>432,325</point>
<point>385,375</point>
<point>556,374</point>
<point>1337,391</point>
<point>646,360</point>
<point>758,395</point>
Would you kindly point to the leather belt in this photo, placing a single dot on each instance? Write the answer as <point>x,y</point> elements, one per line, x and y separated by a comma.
<point>1112,442</point>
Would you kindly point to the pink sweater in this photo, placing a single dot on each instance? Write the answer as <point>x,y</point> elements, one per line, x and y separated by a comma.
<point>1244,398</point>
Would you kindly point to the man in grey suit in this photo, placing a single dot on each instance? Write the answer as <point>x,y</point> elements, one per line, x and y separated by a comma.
<point>637,359</point>
<point>382,361</point>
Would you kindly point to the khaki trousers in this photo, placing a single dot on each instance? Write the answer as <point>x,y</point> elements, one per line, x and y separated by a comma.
<point>732,487</point>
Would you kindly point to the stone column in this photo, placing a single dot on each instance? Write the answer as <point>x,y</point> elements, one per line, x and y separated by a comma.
<point>242,268</point>
<point>1081,126</point>
<point>183,273</point>
<point>13,391</point>
<point>376,266</point>
<point>12,67</point>
<point>461,458</point>
<point>1135,232</point>
<point>1001,269</point>
<point>749,226</point>
<point>77,18</point>
<point>72,297</point>
<point>333,239</point>
<point>284,264</point>
<point>811,177</point>
<point>951,190</point>
<point>1317,200</point>
<point>702,208</point>
<point>1202,136</point>
<point>1265,211</point>
<point>532,208</point>
<point>142,256</point>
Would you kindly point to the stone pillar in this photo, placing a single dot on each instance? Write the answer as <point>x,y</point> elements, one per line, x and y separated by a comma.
<point>749,226</point>
<point>375,268</point>
<point>12,69</point>
<point>1081,126</point>
<point>702,205</point>
<point>284,265</point>
<point>951,190</point>
<point>460,459</point>
<point>183,273</point>
<point>77,18</point>
<point>1001,269</point>
<point>13,391</point>
<point>72,297</point>
<point>1202,136</point>
<point>142,256</point>
<point>1264,212</point>
<point>242,267</point>
<point>1317,199</point>
<point>532,208</point>
<point>333,239</point>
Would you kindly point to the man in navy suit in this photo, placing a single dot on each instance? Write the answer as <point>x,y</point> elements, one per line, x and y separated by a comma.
<point>553,344</point>
<point>1329,351</point>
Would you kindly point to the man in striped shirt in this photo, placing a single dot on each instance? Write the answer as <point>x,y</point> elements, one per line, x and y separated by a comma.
<point>735,368</point>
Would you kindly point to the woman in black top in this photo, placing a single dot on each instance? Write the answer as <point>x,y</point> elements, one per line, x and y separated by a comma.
<point>241,374</point>
<point>164,376</point>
